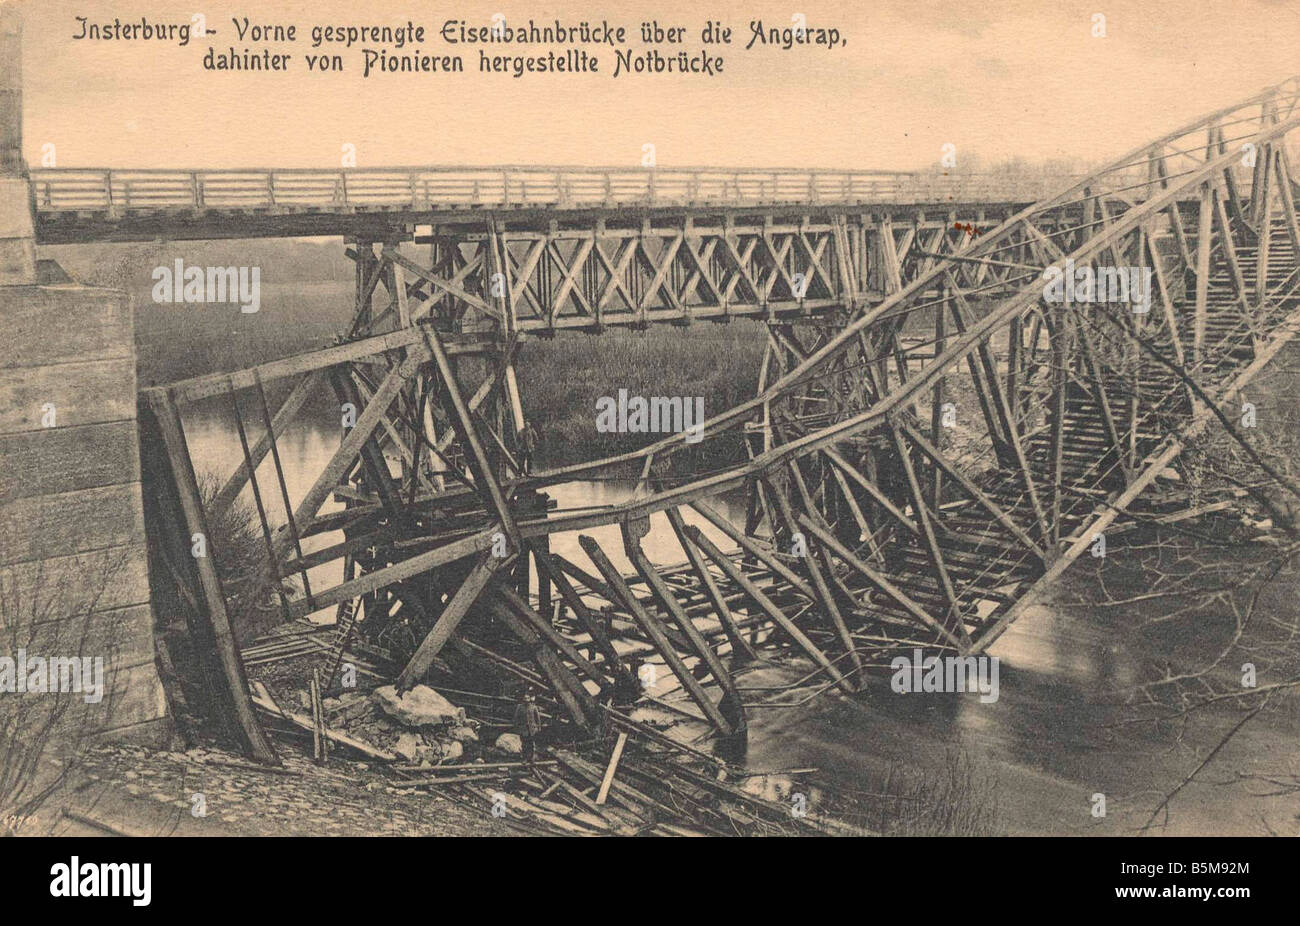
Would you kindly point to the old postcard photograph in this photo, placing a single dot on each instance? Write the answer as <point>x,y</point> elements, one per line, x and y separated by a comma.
<point>748,419</point>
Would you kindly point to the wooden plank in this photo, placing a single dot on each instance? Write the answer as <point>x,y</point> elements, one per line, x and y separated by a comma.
<point>612,768</point>
<point>391,575</point>
<point>201,387</point>
<point>304,722</point>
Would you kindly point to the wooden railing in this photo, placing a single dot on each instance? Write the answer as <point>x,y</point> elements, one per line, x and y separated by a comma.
<point>420,189</point>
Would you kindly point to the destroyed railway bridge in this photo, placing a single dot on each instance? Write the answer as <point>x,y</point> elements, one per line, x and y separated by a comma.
<point>875,298</point>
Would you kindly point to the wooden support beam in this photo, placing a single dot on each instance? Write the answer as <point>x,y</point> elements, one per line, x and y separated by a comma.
<point>451,289</point>
<point>731,704</point>
<point>650,626</point>
<point>1287,196</point>
<point>213,607</point>
<point>581,706</point>
<point>866,484</point>
<point>879,580</point>
<point>769,607</point>
<point>469,433</point>
<point>349,449</point>
<point>1203,238</point>
<point>1227,238</point>
<point>756,550</point>
<point>975,492</point>
<point>1089,356</point>
<point>546,568</point>
<point>509,598</point>
<point>455,612</point>
<point>825,597</point>
<point>927,532</point>
<point>1262,216</point>
<point>292,404</point>
<point>1060,388</point>
<point>741,650</point>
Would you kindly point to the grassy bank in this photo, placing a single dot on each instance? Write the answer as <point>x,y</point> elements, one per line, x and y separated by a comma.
<point>561,380</point>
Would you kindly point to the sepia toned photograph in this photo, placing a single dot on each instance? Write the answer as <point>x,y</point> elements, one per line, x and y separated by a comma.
<point>849,420</point>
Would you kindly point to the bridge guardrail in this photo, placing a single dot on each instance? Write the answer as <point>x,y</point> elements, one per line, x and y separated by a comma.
<point>434,188</point>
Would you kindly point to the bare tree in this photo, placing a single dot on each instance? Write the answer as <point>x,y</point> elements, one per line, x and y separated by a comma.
<point>1223,584</point>
<point>45,735</point>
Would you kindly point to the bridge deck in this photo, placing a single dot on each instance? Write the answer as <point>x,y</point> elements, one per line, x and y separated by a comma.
<point>75,204</point>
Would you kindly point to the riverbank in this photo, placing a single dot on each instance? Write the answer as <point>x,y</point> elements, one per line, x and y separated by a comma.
<point>206,791</point>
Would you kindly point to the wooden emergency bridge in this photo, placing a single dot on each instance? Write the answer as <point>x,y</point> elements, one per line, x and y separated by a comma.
<point>938,431</point>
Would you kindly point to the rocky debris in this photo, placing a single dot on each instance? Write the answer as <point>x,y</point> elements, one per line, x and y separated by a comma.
<point>510,744</point>
<point>421,726</point>
<point>351,705</point>
<point>409,747</point>
<point>419,707</point>
<point>464,734</point>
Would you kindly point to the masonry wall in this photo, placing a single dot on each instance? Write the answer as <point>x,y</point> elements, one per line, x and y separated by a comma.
<point>73,568</point>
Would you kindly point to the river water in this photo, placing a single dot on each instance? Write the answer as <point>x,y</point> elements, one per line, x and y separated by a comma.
<point>1058,735</point>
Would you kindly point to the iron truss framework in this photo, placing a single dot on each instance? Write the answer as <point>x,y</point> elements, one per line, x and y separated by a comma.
<point>909,532</point>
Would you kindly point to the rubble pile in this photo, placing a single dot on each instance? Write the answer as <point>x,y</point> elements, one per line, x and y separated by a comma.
<point>421,726</point>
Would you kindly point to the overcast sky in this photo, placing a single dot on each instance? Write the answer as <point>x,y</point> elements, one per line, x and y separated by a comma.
<point>1003,79</point>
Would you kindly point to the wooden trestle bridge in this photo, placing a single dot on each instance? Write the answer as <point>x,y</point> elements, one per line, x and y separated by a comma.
<point>880,311</point>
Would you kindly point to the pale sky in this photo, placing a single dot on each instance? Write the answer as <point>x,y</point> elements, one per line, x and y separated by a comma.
<point>1003,79</point>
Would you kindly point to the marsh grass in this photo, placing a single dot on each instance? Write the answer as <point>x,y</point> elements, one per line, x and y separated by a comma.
<point>561,380</point>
